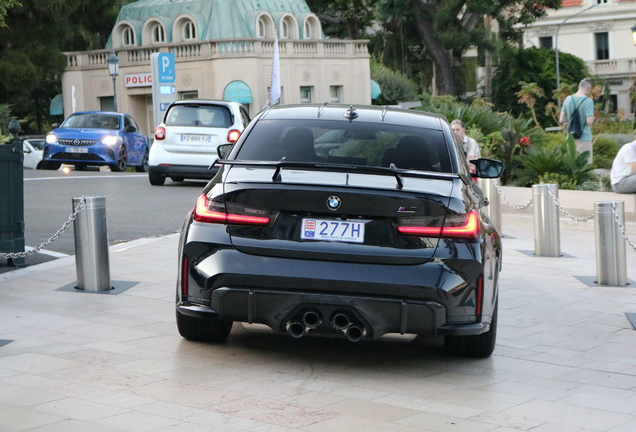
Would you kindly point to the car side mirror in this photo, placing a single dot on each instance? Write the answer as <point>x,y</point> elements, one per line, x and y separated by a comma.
<point>224,150</point>
<point>487,168</point>
<point>131,129</point>
<point>55,125</point>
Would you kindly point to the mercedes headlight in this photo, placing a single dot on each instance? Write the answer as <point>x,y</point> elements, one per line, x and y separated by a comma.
<point>51,139</point>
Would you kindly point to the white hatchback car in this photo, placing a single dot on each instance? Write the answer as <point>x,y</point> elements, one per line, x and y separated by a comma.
<point>186,141</point>
<point>32,149</point>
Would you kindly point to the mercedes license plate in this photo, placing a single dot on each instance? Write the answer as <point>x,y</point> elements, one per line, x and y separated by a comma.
<point>76,150</point>
<point>333,230</point>
<point>196,138</point>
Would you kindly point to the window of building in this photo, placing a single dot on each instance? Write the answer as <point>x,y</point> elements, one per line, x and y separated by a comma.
<point>307,32</point>
<point>128,37</point>
<point>546,42</point>
<point>334,94</point>
<point>261,28</point>
<point>601,1</point>
<point>107,103</point>
<point>284,34</point>
<point>191,94</point>
<point>158,34</point>
<point>305,94</point>
<point>189,31</point>
<point>602,46</point>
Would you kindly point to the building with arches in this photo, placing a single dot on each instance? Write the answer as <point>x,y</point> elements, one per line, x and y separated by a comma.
<point>223,50</point>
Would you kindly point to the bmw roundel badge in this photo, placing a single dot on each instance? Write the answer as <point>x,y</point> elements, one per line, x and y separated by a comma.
<point>333,202</point>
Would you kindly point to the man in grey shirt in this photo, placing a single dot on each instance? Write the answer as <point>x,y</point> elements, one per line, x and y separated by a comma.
<point>585,105</point>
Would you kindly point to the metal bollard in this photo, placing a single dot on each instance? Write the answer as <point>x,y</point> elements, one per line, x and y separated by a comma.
<point>91,245</point>
<point>547,241</point>
<point>611,261</point>
<point>493,210</point>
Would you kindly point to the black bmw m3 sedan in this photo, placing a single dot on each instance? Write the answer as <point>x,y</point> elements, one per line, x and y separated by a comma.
<point>354,221</point>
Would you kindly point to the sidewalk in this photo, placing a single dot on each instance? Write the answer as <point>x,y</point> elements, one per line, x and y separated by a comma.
<point>69,361</point>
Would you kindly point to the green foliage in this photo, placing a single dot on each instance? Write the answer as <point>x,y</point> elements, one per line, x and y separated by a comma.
<point>621,139</point>
<point>604,152</point>
<point>532,65</point>
<point>479,113</point>
<point>537,162</point>
<point>396,87</point>
<point>562,180</point>
<point>5,5</point>
<point>599,184</point>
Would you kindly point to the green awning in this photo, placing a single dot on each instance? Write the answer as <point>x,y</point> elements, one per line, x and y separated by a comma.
<point>238,91</point>
<point>375,90</point>
<point>57,105</point>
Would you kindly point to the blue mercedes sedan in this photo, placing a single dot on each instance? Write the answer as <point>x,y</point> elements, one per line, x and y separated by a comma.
<point>97,138</point>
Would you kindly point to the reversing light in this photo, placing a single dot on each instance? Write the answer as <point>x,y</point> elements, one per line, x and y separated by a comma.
<point>233,136</point>
<point>160,133</point>
<point>455,226</point>
<point>214,212</point>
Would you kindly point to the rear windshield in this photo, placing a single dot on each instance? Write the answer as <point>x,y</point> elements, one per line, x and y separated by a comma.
<point>199,115</point>
<point>356,143</point>
<point>92,121</point>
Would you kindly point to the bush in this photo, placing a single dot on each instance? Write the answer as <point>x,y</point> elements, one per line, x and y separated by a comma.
<point>396,87</point>
<point>604,152</point>
<point>562,180</point>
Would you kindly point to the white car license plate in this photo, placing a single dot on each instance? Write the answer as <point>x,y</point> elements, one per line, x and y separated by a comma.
<point>76,150</point>
<point>333,230</point>
<point>196,138</point>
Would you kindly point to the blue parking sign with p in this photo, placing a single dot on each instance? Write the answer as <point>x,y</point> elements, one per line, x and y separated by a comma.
<point>166,68</point>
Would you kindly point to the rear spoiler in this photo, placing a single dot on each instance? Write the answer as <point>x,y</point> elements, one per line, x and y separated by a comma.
<point>358,169</point>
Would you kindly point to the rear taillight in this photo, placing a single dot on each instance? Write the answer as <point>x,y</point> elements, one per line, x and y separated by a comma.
<point>233,135</point>
<point>160,133</point>
<point>464,225</point>
<point>215,212</point>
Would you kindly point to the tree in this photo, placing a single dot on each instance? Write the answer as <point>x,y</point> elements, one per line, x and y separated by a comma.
<point>342,18</point>
<point>5,5</point>
<point>528,95</point>
<point>31,46</point>
<point>533,65</point>
<point>448,28</point>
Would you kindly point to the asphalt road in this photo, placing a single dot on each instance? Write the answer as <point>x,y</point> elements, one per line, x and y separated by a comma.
<point>134,208</point>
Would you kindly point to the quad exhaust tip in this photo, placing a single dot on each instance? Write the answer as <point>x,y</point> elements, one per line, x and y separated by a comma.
<point>312,319</point>
<point>296,329</point>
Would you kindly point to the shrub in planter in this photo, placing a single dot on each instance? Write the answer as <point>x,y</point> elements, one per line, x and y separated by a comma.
<point>605,150</point>
<point>564,182</point>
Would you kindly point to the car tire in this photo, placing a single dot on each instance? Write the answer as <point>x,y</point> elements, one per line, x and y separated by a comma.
<point>474,346</point>
<point>52,165</point>
<point>156,179</point>
<point>144,164</point>
<point>201,329</point>
<point>122,160</point>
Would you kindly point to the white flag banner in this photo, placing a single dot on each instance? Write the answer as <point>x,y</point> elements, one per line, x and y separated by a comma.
<point>274,92</point>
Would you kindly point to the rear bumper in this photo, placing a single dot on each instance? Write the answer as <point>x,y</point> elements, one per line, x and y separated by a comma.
<point>375,316</point>
<point>185,171</point>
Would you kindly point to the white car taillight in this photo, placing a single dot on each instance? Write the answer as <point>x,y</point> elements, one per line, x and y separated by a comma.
<point>233,135</point>
<point>160,133</point>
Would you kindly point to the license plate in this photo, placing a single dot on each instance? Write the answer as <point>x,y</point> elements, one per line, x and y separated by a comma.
<point>196,138</point>
<point>332,230</point>
<point>76,150</point>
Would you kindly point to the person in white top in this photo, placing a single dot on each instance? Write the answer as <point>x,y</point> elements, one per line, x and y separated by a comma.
<point>470,146</point>
<point>623,174</point>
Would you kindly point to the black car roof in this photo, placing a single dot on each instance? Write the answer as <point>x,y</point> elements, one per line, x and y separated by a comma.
<point>365,113</point>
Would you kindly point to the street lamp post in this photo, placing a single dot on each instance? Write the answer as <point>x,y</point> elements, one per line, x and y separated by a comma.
<point>556,47</point>
<point>113,70</point>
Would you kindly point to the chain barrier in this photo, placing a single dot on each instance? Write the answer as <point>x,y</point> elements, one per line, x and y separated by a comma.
<point>579,219</point>
<point>516,207</point>
<point>620,226</point>
<point>51,239</point>
<point>570,215</point>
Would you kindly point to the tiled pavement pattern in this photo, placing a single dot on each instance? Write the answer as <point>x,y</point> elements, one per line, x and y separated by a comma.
<point>565,359</point>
